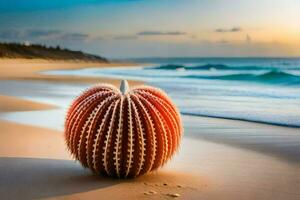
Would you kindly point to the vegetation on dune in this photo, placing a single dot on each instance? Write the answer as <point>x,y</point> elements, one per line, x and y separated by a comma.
<point>31,51</point>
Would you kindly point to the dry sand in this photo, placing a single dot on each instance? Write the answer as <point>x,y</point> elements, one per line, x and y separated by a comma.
<point>34,162</point>
<point>27,69</point>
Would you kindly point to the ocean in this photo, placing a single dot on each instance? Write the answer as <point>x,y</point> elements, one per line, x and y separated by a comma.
<point>264,90</point>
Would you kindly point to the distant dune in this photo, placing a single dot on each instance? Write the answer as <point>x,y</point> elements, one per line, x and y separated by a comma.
<point>33,51</point>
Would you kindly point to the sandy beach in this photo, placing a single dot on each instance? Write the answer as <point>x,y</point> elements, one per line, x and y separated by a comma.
<point>226,161</point>
<point>27,69</point>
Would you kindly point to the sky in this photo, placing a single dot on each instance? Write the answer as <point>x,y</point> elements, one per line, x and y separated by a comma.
<point>157,28</point>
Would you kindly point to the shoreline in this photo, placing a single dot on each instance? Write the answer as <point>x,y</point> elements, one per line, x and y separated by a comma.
<point>242,120</point>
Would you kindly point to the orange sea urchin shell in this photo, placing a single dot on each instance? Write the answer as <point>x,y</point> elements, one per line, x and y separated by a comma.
<point>123,133</point>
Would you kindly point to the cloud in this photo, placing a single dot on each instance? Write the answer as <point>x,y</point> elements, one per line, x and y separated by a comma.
<point>149,33</point>
<point>75,36</point>
<point>41,33</point>
<point>248,39</point>
<point>126,37</point>
<point>192,37</point>
<point>8,34</point>
<point>225,30</point>
<point>223,41</point>
<point>36,35</point>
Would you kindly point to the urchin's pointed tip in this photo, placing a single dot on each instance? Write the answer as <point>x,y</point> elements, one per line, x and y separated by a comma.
<point>124,86</point>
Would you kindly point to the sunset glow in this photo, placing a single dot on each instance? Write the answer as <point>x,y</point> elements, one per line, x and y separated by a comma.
<point>150,28</point>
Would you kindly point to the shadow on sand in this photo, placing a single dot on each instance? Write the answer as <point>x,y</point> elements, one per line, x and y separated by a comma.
<point>31,178</point>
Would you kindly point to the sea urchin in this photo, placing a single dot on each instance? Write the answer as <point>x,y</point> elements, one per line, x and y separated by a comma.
<point>123,133</point>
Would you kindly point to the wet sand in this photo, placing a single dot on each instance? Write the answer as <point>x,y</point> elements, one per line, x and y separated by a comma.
<point>11,104</point>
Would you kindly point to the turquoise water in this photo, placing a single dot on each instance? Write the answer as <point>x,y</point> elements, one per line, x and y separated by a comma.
<point>265,90</point>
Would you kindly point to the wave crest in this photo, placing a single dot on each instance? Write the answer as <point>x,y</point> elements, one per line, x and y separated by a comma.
<point>273,76</point>
<point>215,67</point>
